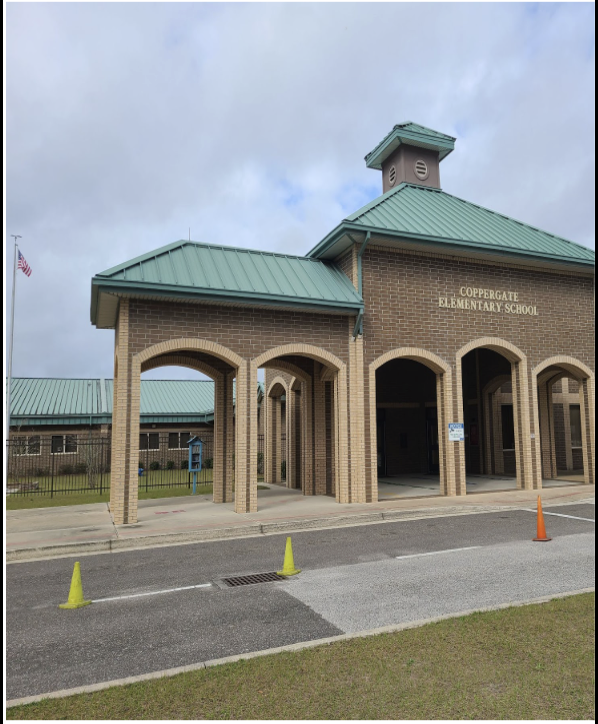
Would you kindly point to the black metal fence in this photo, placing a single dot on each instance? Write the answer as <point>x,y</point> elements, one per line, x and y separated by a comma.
<point>38,465</point>
<point>73,464</point>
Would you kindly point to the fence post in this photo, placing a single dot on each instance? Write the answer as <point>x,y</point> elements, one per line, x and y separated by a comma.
<point>52,475</point>
<point>101,465</point>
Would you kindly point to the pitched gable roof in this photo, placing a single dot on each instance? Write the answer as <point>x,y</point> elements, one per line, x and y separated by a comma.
<point>204,272</point>
<point>430,215</point>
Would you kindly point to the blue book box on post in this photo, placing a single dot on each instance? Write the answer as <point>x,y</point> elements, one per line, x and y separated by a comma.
<point>195,455</point>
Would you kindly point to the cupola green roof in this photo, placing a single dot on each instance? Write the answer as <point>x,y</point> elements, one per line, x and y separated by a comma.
<point>411,134</point>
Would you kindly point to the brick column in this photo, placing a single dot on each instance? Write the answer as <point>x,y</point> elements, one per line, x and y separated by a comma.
<point>499,456</point>
<point>457,449</point>
<point>307,460</point>
<point>567,423</point>
<point>546,421</point>
<point>291,429</point>
<point>298,440</point>
<point>246,439</point>
<point>487,406</point>
<point>125,428</point>
<point>277,443</point>
<point>587,408</point>
<point>269,448</point>
<point>218,441</point>
<point>223,438</point>
<point>319,436</point>
<point>446,448</point>
<point>526,454</point>
<point>356,420</point>
<point>341,419</point>
<point>229,436</point>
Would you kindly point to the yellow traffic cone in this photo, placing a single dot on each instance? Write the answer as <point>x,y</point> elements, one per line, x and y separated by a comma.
<point>288,567</point>
<point>76,593</point>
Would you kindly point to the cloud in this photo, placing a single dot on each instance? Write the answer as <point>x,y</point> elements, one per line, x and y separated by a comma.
<point>128,123</point>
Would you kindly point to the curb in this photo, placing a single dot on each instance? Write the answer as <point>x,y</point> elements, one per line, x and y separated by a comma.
<point>117,545</point>
<point>280,649</point>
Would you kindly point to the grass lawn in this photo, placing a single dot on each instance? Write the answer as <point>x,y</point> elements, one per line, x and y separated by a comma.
<point>530,662</point>
<point>20,502</point>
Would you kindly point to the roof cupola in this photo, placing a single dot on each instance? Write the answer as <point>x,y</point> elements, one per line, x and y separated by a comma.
<point>410,153</point>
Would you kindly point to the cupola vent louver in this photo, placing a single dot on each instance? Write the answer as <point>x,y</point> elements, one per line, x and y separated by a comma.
<point>421,170</point>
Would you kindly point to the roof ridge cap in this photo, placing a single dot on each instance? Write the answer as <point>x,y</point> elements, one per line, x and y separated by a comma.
<point>249,250</point>
<point>142,257</point>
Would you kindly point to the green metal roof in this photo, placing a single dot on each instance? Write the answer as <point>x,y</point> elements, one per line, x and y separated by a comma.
<point>47,401</point>
<point>411,134</point>
<point>203,272</point>
<point>425,214</point>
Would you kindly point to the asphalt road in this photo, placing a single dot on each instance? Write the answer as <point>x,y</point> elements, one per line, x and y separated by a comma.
<point>352,579</point>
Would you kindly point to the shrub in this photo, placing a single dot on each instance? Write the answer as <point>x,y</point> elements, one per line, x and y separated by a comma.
<point>208,463</point>
<point>283,470</point>
<point>155,465</point>
<point>41,472</point>
<point>170,465</point>
<point>184,464</point>
<point>65,470</point>
<point>80,468</point>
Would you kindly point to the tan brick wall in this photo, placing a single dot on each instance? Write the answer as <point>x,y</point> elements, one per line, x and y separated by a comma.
<point>401,290</point>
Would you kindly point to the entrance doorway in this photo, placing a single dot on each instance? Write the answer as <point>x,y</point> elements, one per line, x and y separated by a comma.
<point>408,456</point>
<point>488,414</point>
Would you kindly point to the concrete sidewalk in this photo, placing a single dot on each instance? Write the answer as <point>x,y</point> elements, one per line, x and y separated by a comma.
<point>84,529</point>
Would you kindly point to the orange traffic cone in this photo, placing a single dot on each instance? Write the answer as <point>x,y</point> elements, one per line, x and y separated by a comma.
<point>541,534</point>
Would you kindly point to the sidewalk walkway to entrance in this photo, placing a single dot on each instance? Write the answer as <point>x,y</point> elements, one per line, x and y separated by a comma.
<point>84,529</point>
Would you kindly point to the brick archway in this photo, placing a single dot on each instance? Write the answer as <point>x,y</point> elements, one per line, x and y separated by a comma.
<point>542,382</point>
<point>181,360</point>
<point>493,453</point>
<point>319,466</point>
<point>443,373</point>
<point>300,350</point>
<point>224,367</point>
<point>276,381</point>
<point>528,476</point>
<point>274,447</point>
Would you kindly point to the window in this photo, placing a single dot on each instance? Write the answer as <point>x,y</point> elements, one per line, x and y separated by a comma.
<point>508,428</point>
<point>26,445</point>
<point>149,441</point>
<point>64,444</point>
<point>575,421</point>
<point>178,440</point>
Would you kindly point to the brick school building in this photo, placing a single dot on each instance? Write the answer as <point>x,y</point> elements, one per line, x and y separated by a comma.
<point>423,334</point>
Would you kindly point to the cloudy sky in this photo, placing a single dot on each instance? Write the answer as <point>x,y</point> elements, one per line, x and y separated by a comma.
<point>128,124</point>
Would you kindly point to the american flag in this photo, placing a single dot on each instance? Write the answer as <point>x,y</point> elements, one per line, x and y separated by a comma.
<point>23,265</point>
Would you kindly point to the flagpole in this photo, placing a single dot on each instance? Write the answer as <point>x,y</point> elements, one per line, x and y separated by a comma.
<point>12,332</point>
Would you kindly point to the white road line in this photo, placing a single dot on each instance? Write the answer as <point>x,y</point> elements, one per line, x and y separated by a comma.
<point>562,515</point>
<point>435,553</point>
<point>152,593</point>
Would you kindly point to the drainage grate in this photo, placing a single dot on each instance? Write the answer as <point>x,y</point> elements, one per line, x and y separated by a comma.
<point>255,578</point>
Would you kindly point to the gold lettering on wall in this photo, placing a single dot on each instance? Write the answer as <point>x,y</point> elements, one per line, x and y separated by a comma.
<point>478,299</point>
